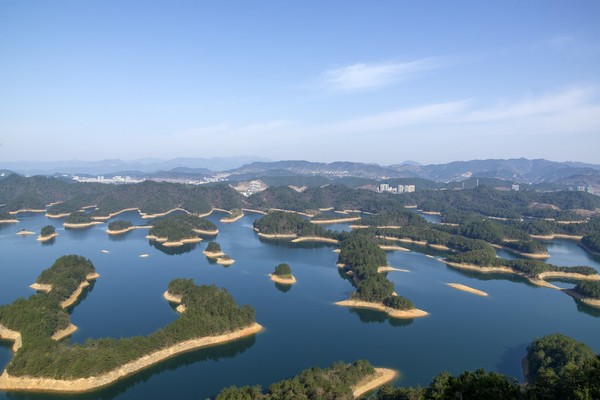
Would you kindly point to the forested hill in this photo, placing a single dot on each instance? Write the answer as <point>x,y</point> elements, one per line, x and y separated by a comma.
<point>17,192</point>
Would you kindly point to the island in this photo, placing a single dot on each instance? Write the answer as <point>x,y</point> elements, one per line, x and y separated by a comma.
<point>177,230</point>
<point>25,232</point>
<point>466,288</point>
<point>79,220</point>
<point>120,226</point>
<point>283,275</point>
<point>225,260</point>
<point>340,381</point>
<point>47,233</point>
<point>43,364</point>
<point>285,225</point>
<point>361,257</point>
<point>213,251</point>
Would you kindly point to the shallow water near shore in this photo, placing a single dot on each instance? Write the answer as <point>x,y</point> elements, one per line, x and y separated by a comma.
<point>303,327</point>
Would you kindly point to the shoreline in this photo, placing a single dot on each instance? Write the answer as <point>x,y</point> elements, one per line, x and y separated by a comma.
<point>72,299</point>
<point>181,242</point>
<point>533,256</point>
<point>392,312</point>
<point>283,281</point>
<point>25,233</point>
<point>131,228</point>
<point>390,269</point>
<point>586,248</point>
<point>63,333</point>
<point>392,248</point>
<point>229,220</point>
<point>585,300</point>
<point>466,288</point>
<point>293,212</point>
<point>109,216</point>
<point>149,216</point>
<point>226,262</point>
<point>9,221</point>
<point>556,236</point>
<point>207,233</point>
<point>57,216</point>
<point>334,221</point>
<point>379,378</point>
<point>213,255</point>
<point>254,211</point>
<point>13,336</point>
<point>172,298</point>
<point>277,235</point>
<point>82,225</point>
<point>81,385</point>
<point>24,210</point>
<point>568,275</point>
<point>44,239</point>
<point>315,239</point>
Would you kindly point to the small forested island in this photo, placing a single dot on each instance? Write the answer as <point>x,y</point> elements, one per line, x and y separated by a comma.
<point>43,364</point>
<point>340,381</point>
<point>361,257</point>
<point>284,225</point>
<point>47,233</point>
<point>119,226</point>
<point>180,229</point>
<point>586,291</point>
<point>283,274</point>
<point>213,250</point>
<point>79,219</point>
<point>233,216</point>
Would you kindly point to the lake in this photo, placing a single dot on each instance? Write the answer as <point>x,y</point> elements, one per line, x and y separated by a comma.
<point>303,327</point>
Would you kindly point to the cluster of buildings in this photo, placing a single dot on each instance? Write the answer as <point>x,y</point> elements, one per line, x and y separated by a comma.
<point>248,188</point>
<point>587,189</point>
<point>118,179</point>
<point>386,188</point>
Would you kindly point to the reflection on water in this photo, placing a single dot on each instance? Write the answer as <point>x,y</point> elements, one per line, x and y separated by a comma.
<point>172,251</point>
<point>373,316</point>
<point>283,288</point>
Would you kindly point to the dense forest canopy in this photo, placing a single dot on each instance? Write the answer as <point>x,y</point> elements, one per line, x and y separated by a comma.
<point>180,226</point>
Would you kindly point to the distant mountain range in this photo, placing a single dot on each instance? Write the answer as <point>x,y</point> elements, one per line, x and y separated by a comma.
<point>245,168</point>
<point>517,170</point>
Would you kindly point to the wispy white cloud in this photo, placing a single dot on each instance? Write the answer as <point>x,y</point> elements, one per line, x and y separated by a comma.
<point>573,45</point>
<point>363,76</point>
<point>430,113</point>
<point>549,104</point>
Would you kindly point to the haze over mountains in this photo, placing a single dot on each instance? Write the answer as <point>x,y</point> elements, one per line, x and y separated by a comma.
<point>518,170</point>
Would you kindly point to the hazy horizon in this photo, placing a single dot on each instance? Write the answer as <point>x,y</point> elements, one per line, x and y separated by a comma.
<point>329,81</point>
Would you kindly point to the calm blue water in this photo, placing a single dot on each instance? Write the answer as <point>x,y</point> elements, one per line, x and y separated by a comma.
<point>303,326</point>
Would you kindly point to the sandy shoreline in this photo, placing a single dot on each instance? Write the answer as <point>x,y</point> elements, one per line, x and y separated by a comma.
<point>315,239</point>
<point>182,242</point>
<point>254,211</point>
<point>9,221</point>
<point>293,212</point>
<point>466,288</point>
<point>381,377</point>
<point>283,281</point>
<point>586,300</point>
<point>213,255</point>
<point>80,226</point>
<point>24,210</point>
<point>13,336</point>
<point>432,213</point>
<point>392,248</point>
<point>44,239</point>
<point>109,216</point>
<point>334,221</point>
<point>534,256</point>
<point>41,287</point>
<point>25,233</point>
<point>229,220</point>
<point>438,247</point>
<point>556,236</point>
<point>225,261</point>
<point>392,312</point>
<point>207,233</point>
<point>148,216</point>
<point>277,235</point>
<point>80,385</point>
<point>390,269</point>
<point>131,228</point>
<point>172,298</point>
<point>568,275</point>
<point>56,216</point>
<point>63,333</point>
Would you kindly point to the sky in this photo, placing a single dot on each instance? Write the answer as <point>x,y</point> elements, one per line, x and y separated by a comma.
<point>381,82</point>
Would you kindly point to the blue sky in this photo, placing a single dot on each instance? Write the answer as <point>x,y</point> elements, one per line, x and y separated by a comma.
<point>383,81</point>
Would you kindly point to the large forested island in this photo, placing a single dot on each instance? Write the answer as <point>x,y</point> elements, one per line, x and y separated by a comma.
<point>180,229</point>
<point>42,363</point>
